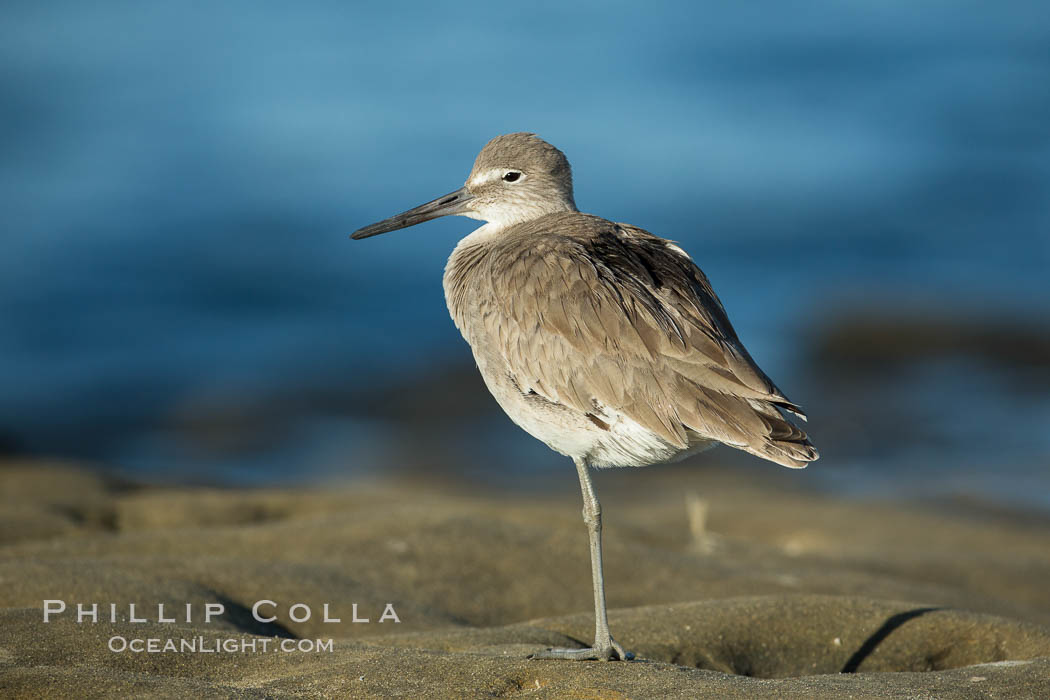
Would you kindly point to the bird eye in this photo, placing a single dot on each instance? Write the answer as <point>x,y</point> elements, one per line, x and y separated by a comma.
<point>511,176</point>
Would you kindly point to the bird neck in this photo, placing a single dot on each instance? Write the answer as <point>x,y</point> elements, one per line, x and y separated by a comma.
<point>514,213</point>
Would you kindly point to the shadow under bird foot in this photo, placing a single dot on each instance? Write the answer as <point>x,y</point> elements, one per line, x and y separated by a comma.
<point>611,651</point>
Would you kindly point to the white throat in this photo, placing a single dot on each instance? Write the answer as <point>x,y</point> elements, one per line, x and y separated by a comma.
<point>482,234</point>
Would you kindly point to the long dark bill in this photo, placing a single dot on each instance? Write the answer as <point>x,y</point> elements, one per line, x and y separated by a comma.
<point>451,204</point>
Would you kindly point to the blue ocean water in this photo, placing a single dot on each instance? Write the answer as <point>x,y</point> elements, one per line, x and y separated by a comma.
<point>178,182</point>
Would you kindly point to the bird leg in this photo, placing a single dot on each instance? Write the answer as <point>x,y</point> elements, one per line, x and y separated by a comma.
<point>605,647</point>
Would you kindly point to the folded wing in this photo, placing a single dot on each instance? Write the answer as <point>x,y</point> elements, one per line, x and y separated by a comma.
<point>613,317</point>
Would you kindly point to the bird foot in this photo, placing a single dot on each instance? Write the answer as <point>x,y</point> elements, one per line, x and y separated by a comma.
<point>609,651</point>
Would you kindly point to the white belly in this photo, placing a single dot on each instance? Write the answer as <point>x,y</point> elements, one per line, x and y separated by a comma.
<point>625,443</point>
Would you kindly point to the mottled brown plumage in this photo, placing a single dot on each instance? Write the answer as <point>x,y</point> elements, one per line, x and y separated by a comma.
<point>587,311</point>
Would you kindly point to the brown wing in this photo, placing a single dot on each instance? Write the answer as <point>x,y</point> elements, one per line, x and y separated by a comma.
<point>616,317</point>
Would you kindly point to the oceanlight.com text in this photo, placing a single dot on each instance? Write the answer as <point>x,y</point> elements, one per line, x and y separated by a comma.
<point>212,645</point>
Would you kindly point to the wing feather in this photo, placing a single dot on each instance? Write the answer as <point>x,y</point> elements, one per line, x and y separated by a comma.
<point>612,316</point>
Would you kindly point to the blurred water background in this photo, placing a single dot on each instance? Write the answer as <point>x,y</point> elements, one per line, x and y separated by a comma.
<point>867,184</point>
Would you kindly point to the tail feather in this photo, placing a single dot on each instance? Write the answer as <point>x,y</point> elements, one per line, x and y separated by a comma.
<point>784,443</point>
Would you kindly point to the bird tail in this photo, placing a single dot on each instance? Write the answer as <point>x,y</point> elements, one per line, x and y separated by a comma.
<point>784,442</point>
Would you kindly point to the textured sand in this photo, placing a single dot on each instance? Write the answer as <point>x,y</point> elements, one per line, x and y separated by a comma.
<point>774,594</point>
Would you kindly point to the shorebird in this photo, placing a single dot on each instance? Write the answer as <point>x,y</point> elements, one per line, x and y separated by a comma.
<point>600,339</point>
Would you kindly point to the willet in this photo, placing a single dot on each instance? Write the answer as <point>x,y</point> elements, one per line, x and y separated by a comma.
<point>600,339</point>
